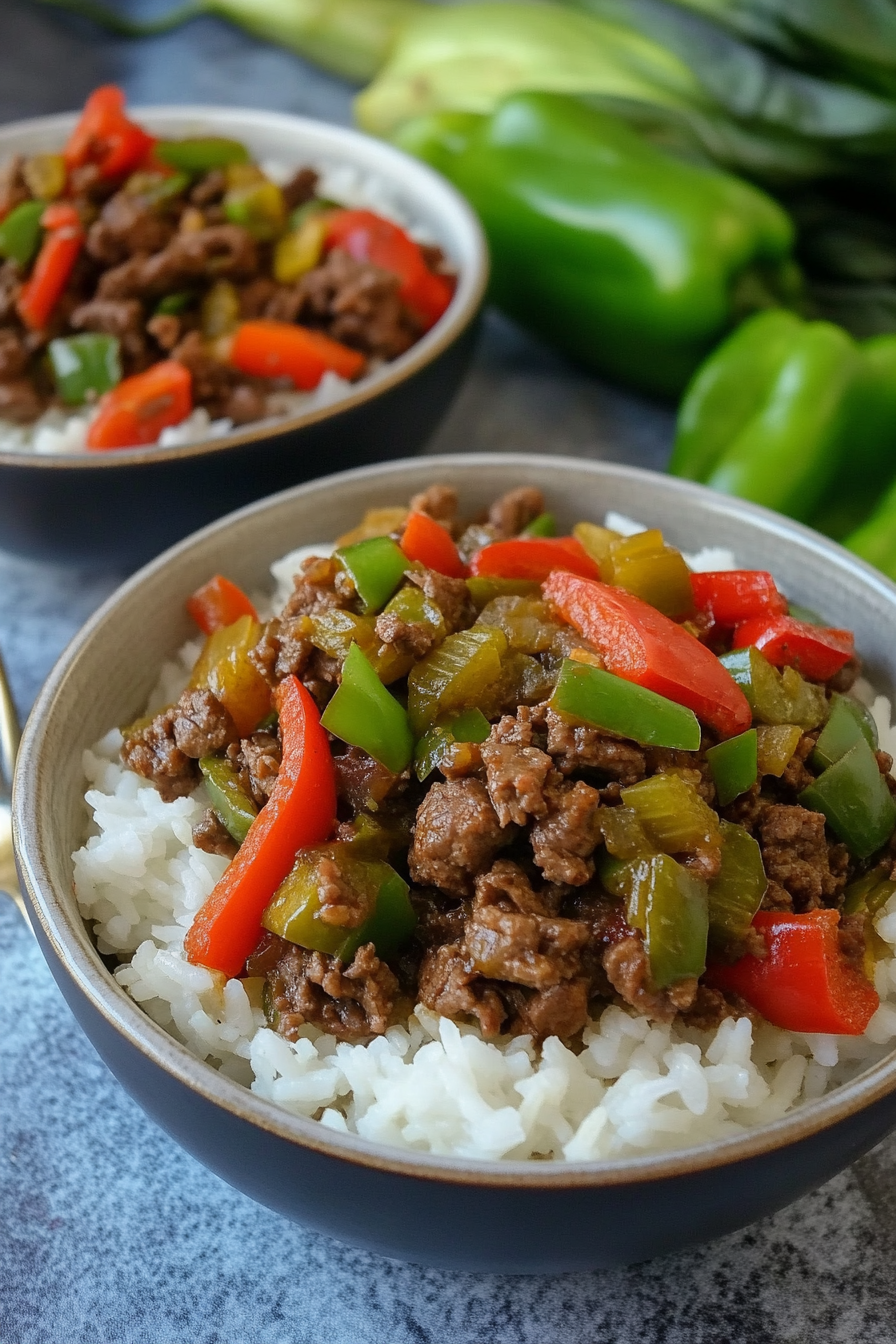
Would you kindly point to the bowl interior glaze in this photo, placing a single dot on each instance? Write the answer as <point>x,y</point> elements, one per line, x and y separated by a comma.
<point>106,674</point>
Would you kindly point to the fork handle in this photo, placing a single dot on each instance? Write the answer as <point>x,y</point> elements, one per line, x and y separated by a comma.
<point>9,732</point>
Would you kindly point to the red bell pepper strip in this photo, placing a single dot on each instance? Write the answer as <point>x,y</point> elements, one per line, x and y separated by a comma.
<point>300,811</point>
<point>53,267</point>
<point>106,137</point>
<point>533,558</point>
<point>429,542</point>
<point>368,237</point>
<point>267,349</point>
<point>804,984</point>
<point>729,597</point>
<point>815,651</point>
<point>219,603</point>
<point>642,645</point>
<point>139,408</point>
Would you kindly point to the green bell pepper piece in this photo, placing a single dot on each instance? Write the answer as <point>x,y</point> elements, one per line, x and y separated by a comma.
<point>20,232</point>
<point>855,801</point>
<point>776,697</point>
<point>606,701</point>
<point>671,908</point>
<point>644,261</point>
<point>806,614</point>
<point>233,805</point>
<point>461,673</point>
<point>364,714</point>
<point>848,723</point>
<point>294,911</point>
<point>84,365</point>
<point>736,893</point>
<point>485,590</point>
<point>869,893</point>
<point>545,525</point>
<point>469,726</point>
<point>734,765</point>
<point>200,154</point>
<point>376,566</point>
<point>175,303</point>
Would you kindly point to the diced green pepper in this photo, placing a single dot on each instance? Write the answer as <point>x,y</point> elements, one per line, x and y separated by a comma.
<point>155,188</point>
<point>219,311</point>
<point>736,894</point>
<point>776,697</point>
<point>309,209</point>
<point>84,366</point>
<point>175,303</point>
<point>855,801</point>
<point>869,893</point>
<point>233,805</point>
<point>20,232</point>
<point>469,726</point>
<point>624,836</point>
<point>200,154</point>
<point>734,765</point>
<point>805,614</point>
<point>849,721</point>
<point>775,745</point>
<point>526,622</point>
<point>644,565</point>
<point>545,525</point>
<point>596,540</point>
<point>258,208</point>
<point>598,697</point>
<point>485,590</point>
<point>671,908</point>
<point>376,566</point>
<point>364,714</point>
<point>295,911</point>
<point>460,674</point>
<point>674,816</point>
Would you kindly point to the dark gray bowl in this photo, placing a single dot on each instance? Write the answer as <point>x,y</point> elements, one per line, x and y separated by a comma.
<point>123,507</point>
<point>497,1216</point>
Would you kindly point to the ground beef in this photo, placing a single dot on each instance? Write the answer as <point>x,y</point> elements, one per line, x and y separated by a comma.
<point>451,596</point>
<point>211,835</point>
<point>355,303</point>
<point>711,1007</point>
<point>116,317</point>
<point>851,935</point>
<point>363,783</point>
<point>222,251</point>
<point>166,749</point>
<point>300,188</point>
<point>448,986</point>
<point>578,748</point>
<point>564,839</point>
<point>412,639</point>
<point>342,904</point>
<point>628,971</point>
<point>214,383</point>
<point>13,187</point>
<point>166,330</point>
<point>322,585</point>
<point>509,938</point>
<point>515,510</point>
<point>282,651</point>
<point>560,1010</point>
<point>846,678</point>
<point>796,776</point>
<point>353,1004</point>
<point>439,919</point>
<point>439,502</point>
<point>209,189</point>
<point>515,772</point>
<point>13,355</point>
<point>322,675</point>
<point>19,401</point>
<point>747,810</point>
<point>10,288</point>
<point>127,226</point>
<point>201,725</point>
<point>456,836</point>
<point>257,758</point>
<point>796,857</point>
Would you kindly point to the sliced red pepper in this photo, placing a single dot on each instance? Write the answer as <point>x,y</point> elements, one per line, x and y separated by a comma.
<point>139,408</point>
<point>53,267</point>
<point>300,811</point>
<point>106,137</point>
<point>642,645</point>
<point>729,597</point>
<point>805,983</point>
<point>533,558</point>
<point>815,651</point>
<point>219,603</point>
<point>266,349</point>
<point>369,237</point>
<point>429,542</point>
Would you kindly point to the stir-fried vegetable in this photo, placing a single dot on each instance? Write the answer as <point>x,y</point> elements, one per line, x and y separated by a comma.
<point>84,366</point>
<point>644,565</point>
<point>849,721</point>
<point>364,714</point>
<point>460,674</point>
<point>300,811</point>
<point>20,232</point>
<point>735,765</point>
<point>376,566</point>
<point>440,742</point>
<point>225,668</point>
<point>670,907</point>
<point>730,597</point>
<point>139,408</point>
<point>61,247</point>
<point>855,800</point>
<point>200,154</point>
<point>431,544</point>
<point>776,697</point>
<point>233,805</point>
<point>775,745</point>
<point>104,136</point>
<point>219,603</point>
<point>267,349</point>
<point>369,237</point>
<point>594,696</point>
<point>736,893</point>
<point>816,652</point>
<point>533,558</point>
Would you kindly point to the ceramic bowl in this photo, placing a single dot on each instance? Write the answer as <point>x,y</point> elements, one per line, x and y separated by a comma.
<point>124,506</point>
<point>469,1215</point>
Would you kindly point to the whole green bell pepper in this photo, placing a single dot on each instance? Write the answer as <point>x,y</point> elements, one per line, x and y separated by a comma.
<point>630,260</point>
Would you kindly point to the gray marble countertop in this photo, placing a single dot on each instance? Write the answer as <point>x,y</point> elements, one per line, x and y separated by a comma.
<point>109,1233</point>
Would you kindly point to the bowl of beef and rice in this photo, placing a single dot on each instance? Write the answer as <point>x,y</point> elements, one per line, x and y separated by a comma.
<point>199,306</point>
<point>488,861</point>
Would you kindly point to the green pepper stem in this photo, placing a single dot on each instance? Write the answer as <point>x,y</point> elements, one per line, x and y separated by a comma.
<point>107,18</point>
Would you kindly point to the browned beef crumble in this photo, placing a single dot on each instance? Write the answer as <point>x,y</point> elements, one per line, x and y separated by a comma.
<point>413,639</point>
<point>577,747</point>
<point>363,783</point>
<point>515,510</point>
<point>565,837</point>
<point>456,836</point>
<point>451,596</point>
<point>211,835</point>
<point>353,1002</point>
<point>257,758</point>
<point>796,855</point>
<point>515,772</point>
<point>439,502</point>
<point>166,750</point>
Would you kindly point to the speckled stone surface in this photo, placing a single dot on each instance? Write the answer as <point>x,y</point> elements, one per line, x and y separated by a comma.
<point>110,1234</point>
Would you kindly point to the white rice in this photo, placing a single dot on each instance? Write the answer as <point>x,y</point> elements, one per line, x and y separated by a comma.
<point>432,1085</point>
<point>59,432</point>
